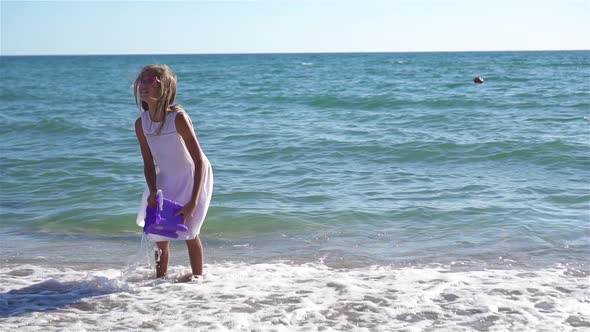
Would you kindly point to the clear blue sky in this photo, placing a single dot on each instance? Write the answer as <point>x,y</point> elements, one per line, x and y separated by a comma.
<point>277,26</point>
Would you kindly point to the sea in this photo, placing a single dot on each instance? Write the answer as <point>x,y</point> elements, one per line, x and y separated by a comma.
<point>353,192</point>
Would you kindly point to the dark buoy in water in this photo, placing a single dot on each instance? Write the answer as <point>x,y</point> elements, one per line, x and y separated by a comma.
<point>478,80</point>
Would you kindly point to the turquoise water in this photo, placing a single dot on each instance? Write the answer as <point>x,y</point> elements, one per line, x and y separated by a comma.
<point>362,157</point>
<point>352,192</point>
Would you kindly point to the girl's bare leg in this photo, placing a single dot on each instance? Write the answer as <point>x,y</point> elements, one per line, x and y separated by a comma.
<point>162,258</point>
<point>195,254</point>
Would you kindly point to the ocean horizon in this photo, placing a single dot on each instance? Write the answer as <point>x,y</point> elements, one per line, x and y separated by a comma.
<point>297,53</point>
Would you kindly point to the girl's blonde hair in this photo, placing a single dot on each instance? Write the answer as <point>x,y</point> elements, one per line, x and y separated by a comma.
<point>167,91</point>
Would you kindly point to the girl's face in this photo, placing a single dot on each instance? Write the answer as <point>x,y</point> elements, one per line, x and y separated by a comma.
<point>149,87</point>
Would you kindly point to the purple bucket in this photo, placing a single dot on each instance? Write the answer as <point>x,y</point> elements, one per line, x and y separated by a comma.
<point>161,220</point>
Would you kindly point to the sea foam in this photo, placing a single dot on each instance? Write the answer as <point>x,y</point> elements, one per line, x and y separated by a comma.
<point>282,296</point>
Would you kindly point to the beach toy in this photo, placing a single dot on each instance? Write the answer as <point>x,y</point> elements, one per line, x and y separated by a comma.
<point>478,80</point>
<point>161,220</point>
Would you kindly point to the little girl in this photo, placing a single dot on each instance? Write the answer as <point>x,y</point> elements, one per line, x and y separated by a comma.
<point>183,172</point>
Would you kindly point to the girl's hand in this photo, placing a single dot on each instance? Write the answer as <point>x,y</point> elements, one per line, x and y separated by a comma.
<point>187,212</point>
<point>151,200</point>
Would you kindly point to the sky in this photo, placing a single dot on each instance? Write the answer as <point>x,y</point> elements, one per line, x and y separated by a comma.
<point>290,26</point>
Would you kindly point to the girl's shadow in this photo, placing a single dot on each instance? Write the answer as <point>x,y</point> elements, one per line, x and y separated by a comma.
<point>53,294</point>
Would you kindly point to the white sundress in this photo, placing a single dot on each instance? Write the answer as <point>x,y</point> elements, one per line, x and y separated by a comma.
<point>175,174</point>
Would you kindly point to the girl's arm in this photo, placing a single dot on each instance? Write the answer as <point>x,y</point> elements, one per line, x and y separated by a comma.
<point>185,130</point>
<point>149,169</point>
